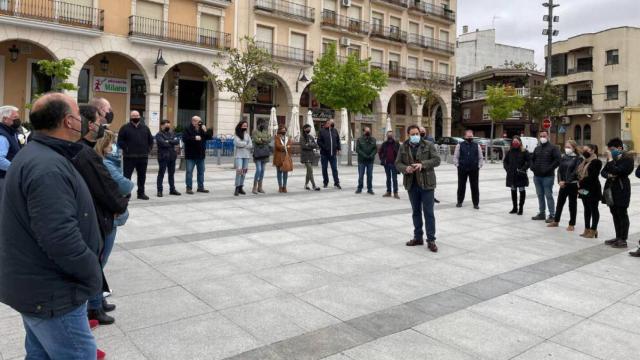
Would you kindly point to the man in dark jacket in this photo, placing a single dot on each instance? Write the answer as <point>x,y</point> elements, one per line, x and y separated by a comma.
<point>544,161</point>
<point>366,149</point>
<point>388,153</point>
<point>329,143</point>
<point>195,138</point>
<point>167,141</point>
<point>9,144</point>
<point>136,142</point>
<point>617,190</point>
<point>468,158</point>
<point>50,237</point>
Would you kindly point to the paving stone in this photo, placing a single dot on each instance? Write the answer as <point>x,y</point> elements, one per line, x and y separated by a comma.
<point>349,265</point>
<point>254,260</point>
<point>444,303</point>
<point>488,288</point>
<point>306,250</point>
<point>633,299</point>
<point>263,353</point>
<point>124,282</point>
<point>120,347</point>
<point>233,291</point>
<point>193,270</point>
<point>399,284</point>
<point>600,341</point>
<point>297,278</point>
<point>549,350</point>
<point>389,321</point>
<point>169,253</point>
<point>226,245</point>
<point>620,315</point>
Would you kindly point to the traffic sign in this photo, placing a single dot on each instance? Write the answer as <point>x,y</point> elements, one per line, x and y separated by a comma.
<point>546,123</point>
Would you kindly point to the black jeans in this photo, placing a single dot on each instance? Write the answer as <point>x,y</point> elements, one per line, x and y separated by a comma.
<point>591,213</point>
<point>472,175</point>
<point>392,177</point>
<point>620,222</point>
<point>568,191</point>
<point>325,162</point>
<point>168,165</point>
<point>140,165</point>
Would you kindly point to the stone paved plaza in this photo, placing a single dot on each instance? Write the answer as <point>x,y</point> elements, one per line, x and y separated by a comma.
<point>326,275</point>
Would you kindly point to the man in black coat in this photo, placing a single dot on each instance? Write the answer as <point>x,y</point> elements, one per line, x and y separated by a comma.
<point>544,161</point>
<point>136,142</point>
<point>167,141</point>
<point>50,237</point>
<point>329,143</point>
<point>388,153</point>
<point>195,139</point>
<point>617,190</point>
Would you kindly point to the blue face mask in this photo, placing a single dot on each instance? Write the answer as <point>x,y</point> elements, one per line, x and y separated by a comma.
<point>415,139</point>
<point>615,153</point>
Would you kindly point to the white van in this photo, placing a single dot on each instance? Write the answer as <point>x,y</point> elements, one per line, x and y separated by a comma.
<point>529,143</point>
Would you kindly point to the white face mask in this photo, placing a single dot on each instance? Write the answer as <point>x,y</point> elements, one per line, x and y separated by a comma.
<point>568,151</point>
<point>543,140</point>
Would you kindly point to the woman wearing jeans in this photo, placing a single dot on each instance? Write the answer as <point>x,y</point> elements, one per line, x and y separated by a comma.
<point>261,152</point>
<point>282,158</point>
<point>568,181</point>
<point>243,145</point>
<point>589,189</point>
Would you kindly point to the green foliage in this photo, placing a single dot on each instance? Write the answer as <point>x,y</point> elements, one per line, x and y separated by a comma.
<point>427,92</point>
<point>351,85</point>
<point>520,66</point>
<point>544,100</point>
<point>243,69</point>
<point>502,102</point>
<point>59,71</point>
<point>179,129</point>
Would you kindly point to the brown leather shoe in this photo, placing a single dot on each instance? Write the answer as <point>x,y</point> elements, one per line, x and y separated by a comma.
<point>432,246</point>
<point>553,224</point>
<point>570,228</point>
<point>387,194</point>
<point>414,242</point>
<point>395,195</point>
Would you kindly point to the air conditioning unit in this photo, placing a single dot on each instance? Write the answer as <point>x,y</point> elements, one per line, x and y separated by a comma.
<point>345,41</point>
<point>566,120</point>
<point>346,3</point>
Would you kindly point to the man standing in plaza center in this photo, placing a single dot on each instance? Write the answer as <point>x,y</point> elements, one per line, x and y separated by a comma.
<point>49,237</point>
<point>195,138</point>
<point>166,141</point>
<point>388,153</point>
<point>136,142</point>
<point>468,158</point>
<point>367,150</point>
<point>544,161</point>
<point>417,161</point>
<point>329,143</point>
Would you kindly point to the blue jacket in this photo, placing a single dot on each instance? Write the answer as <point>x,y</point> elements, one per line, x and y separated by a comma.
<point>49,233</point>
<point>14,146</point>
<point>112,163</point>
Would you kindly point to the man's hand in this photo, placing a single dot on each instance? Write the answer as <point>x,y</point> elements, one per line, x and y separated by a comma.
<point>198,138</point>
<point>409,170</point>
<point>562,184</point>
<point>609,156</point>
<point>417,166</point>
<point>204,128</point>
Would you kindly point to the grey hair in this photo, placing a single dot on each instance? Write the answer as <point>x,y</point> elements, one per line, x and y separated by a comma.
<point>5,111</point>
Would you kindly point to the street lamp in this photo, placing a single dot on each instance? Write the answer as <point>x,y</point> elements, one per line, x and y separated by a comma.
<point>301,78</point>
<point>549,32</point>
<point>14,51</point>
<point>104,64</point>
<point>159,62</point>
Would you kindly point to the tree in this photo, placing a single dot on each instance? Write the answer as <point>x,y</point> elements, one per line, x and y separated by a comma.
<point>244,70</point>
<point>351,85</point>
<point>427,92</point>
<point>544,100</point>
<point>520,66</point>
<point>502,102</point>
<point>59,72</point>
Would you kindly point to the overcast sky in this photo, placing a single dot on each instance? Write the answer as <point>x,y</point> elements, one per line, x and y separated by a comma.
<point>519,22</point>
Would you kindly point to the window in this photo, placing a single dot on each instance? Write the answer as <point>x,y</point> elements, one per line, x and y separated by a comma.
<point>354,49</point>
<point>210,26</point>
<point>428,65</point>
<point>40,82</point>
<point>377,19</point>
<point>446,4</point>
<point>354,12</point>
<point>414,28</point>
<point>466,114</point>
<point>401,104</point>
<point>330,5</point>
<point>444,35</point>
<point>612,57</point>
<point>485,113</point>
<point>210,22</point>
<point>429,32</point>
<point>150,10</point>
<point>587,134</point>
<point>443,68</point>
<point>84,84</point>
<point>325,45</point>
<point>377,57</point>
<point>299,44</point>
<point>264,37</point>
<point>612,92</point>
<point>577,134</point>
<point>412,63</point>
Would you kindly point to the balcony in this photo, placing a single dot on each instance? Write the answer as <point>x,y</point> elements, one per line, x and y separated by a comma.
<point>163,31</point>
<point>431,9</point>
<point>344,24</point>
<point>391,33</point>
<point>219,3</point>
<point>286,10</point>
<point>393,3</point>
<point>45,13</point>
<point>402,73</point>
<point>287,53</point>
<point>416,40</point>
<point>481,95</point>
<point>581,104</point>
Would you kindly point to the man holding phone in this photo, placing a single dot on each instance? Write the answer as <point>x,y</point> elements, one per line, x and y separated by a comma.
<point>417,161</point>
<point>195,138</point>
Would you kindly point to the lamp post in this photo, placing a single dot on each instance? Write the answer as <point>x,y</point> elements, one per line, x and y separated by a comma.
<point>550,19</point>
<point>14,51</point>
<point>159,62</point>
<point>301,78</point>
<point>104,64</point>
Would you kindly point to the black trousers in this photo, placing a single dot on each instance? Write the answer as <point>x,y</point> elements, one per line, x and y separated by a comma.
<point>569,191</point>
<point>169,166</point>
<point>472,175</point>
<point>591,213</point>
<point>620,222</point>
<point>140,166</point>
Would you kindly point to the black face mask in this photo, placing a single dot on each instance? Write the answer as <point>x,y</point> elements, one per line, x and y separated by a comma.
<point>166,129</point>
<point>390,138</point>
<point>100,132</point>
<point>422,135</point>
<point>367,134</point>
<point>16,124</point>
<point>109,117</point>
<point>333,126</point>
<point>307,132</point>
<point>243,129</point>
<point>468,140</point>
<point>135,121</point>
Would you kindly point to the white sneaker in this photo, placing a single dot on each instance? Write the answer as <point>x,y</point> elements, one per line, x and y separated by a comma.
<point>106,294</point>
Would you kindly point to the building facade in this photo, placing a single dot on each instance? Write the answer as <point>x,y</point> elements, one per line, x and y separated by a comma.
<point>156,56</point>
<point>478,50</point>
<point>599,72</point>
<point>475,112</point>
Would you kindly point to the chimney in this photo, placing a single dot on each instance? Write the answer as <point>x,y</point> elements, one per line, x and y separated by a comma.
<point>465,29</point>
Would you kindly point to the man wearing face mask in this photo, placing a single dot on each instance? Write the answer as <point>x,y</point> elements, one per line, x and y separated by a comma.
<point>94,129</point>
<point>366,149</point>
<point>9,144</point>
<point>544,161</point>
<point>417,161</point>
<point>468,158</point>
<point>388,153</point>
<point>105,113</point>
<point>167,141</point>
<point>329,143</point>
<point>136,142</point>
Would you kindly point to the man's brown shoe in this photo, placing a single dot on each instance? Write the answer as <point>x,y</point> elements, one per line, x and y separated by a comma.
<point>553,224</point>
<point>432,246</point>
<point>414,242</point>
<point>610,241</point>
<point>387,194</point>
<point>395,195</point>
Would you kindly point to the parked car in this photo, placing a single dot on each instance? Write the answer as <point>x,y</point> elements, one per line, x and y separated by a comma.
<point>500,147</point>
<point>483,142</point>
<point>449,140</point>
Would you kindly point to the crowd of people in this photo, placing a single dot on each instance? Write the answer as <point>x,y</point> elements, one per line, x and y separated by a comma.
<point>65,192</point>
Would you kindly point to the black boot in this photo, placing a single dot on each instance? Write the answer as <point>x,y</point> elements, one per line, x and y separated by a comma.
<point>107,307</point>
<point>514,200</point>
<point>523,197</point>
<point>237,192</point>
<point>241,191</point>
<point>100,316</point>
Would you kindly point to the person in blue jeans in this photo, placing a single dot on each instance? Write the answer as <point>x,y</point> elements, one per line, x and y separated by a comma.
<point>417,161</point>
<point>329,143</point>
<point>195,138</point>
<point>544,161</point>
<point>366,149</point>
<point>388,153</point>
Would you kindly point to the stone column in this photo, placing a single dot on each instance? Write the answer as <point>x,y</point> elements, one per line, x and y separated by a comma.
<point>446,126</point>
<point>152,117</point>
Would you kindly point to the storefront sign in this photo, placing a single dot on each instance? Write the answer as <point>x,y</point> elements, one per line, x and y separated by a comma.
<point>322,113</point>
<point>364,118</point>
<point>111,85</point>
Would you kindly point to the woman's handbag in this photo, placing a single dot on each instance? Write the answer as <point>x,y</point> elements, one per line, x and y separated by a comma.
<point>261,151</point>
<point>287,163</point>
<point>607,197</point>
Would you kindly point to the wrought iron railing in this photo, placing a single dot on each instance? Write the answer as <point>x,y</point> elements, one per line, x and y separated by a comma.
<point>388,32</point>
<point>287,53</point>
<point>578,100</point>
<point>57,12</point>
<point>287,8</point>
<point>431,43</point>
<point>432,9</point>
<point>178,33</point>
<point>580,69</point>
<point>330,18</point>
<point>402,3</point>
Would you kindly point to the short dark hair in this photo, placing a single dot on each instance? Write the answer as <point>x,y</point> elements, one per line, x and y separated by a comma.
<point>411,127</point>
<point>306,126</point>
<point>593,147</point>
<point>89,112</point>
<point>165,121</point>
<point>615,142</point>
<point>543,131</point>
<point>50,114</point>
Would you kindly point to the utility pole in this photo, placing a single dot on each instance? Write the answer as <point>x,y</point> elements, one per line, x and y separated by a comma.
<point>550,19</point>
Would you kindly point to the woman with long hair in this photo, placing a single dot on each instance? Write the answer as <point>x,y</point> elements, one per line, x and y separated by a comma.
<point>516,162</point>
<point>282,158</point>
<point>308,147</point>
<point>261,152</point>
<point>589,189</point>
<point>243,145</point>
<point>568,182</point>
